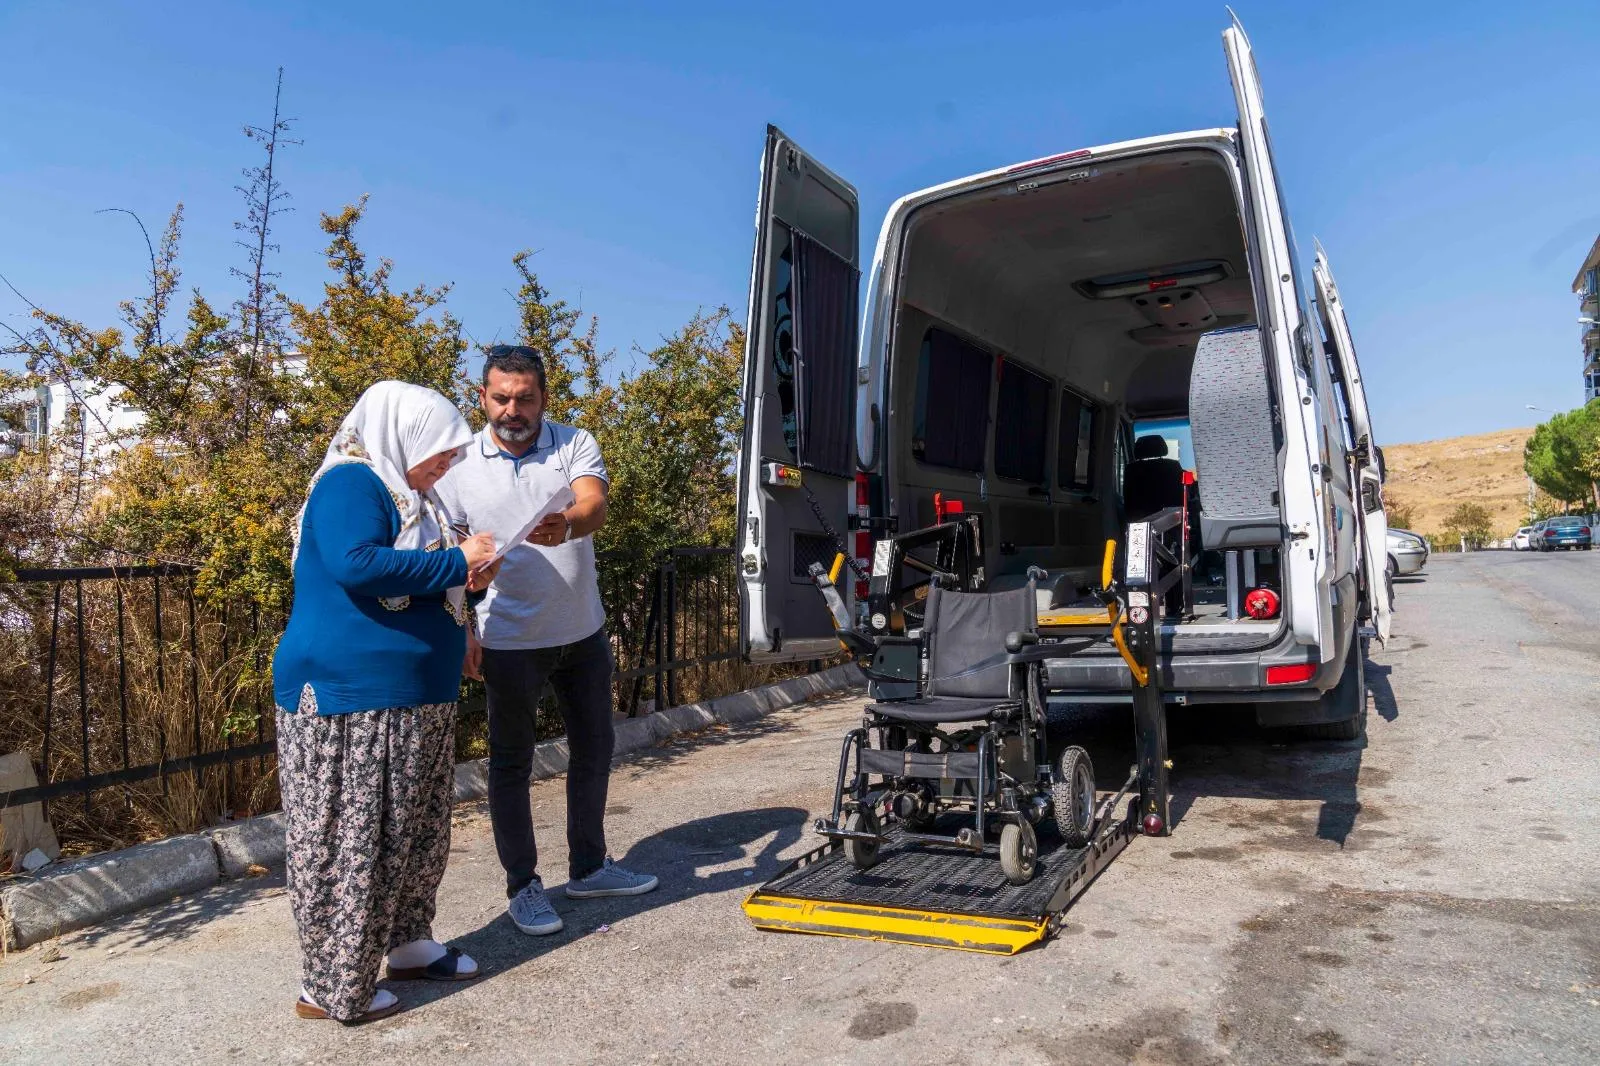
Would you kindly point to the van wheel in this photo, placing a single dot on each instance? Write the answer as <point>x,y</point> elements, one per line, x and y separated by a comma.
<point>1347,699</point>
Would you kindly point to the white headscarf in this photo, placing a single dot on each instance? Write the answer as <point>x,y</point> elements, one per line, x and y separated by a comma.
<point>393,427</point>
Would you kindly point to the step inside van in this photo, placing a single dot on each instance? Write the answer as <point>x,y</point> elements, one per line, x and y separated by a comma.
<point>1061,347</point>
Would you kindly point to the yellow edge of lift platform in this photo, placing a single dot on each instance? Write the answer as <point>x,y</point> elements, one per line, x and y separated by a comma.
<point>777,909</point>
<point>963,932</point>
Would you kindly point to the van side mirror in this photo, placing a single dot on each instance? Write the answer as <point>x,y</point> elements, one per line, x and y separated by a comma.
<point>1383,471</point>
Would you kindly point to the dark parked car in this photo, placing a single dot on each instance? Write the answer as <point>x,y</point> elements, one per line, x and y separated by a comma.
<point>1568,531</point>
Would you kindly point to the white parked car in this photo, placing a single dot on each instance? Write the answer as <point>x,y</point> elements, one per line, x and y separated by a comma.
<point>1521,542</point>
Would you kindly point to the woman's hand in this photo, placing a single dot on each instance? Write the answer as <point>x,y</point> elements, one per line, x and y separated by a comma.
<point>478,549</point>
<point>473,666</point>
<point>478,580</point>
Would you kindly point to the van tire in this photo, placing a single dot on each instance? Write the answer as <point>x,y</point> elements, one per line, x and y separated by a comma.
<point>1349,695</point>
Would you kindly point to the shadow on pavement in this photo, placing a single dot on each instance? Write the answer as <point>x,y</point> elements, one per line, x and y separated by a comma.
<point>1383,700</point>
<point>720,844</point>
<point>1220,751</point>
<point>184,916</point>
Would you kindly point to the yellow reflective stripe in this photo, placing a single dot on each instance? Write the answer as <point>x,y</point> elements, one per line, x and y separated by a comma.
<point>961,932</point>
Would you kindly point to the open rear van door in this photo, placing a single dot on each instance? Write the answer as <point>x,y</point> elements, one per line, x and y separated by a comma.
<point>1365,473</point>
<point>1307,573</point>
<point>797,461</point>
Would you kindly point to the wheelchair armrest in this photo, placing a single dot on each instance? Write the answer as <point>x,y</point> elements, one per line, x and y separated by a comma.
<point>1057,649</point>
<point>1017,638</point>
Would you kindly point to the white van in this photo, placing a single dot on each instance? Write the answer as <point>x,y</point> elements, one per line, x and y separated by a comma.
<point>1032,335</point>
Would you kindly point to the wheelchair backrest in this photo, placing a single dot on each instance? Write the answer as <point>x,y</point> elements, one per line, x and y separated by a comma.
<point>963,630</point>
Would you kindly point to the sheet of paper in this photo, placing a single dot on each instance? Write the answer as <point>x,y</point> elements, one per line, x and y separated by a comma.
<point>560,501</point>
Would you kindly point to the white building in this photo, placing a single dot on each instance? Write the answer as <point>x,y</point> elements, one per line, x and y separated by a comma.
<point>86,415</point>
<point>1587,287</point>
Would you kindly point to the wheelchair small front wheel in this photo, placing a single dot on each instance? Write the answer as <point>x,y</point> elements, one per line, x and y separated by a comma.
<point>1019,852</point>
<point>1072,797</point>
<point>863,854</point>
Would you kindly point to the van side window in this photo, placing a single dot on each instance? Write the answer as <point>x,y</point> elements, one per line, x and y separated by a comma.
<point>1022,424</point>
<point>1075,444</point>
<point>950,424</point>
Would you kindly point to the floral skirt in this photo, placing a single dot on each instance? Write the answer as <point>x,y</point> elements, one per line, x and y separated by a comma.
<point>368,798</point>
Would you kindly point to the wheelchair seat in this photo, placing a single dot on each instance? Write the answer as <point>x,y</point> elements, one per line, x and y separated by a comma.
<point>938,710</point>
<point>968,677</point>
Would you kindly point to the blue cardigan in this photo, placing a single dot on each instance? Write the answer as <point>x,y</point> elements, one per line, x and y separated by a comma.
<point>357,654</point>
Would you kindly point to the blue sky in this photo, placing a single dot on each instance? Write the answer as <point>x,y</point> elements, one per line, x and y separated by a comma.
<point>1446,153</point>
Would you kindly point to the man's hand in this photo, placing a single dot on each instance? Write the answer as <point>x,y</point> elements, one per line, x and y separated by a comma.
<point>473,665</point>
<point>478,580</point>
<point>551,530</point>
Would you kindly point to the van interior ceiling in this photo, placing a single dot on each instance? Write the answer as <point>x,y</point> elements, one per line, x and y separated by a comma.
<point>1040,322</point>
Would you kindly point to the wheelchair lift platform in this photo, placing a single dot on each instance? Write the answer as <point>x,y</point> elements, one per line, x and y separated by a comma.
<point>936,897</point>
<point>922,892</point>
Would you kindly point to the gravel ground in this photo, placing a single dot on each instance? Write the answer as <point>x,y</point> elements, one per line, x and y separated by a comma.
<point>1430,894</point>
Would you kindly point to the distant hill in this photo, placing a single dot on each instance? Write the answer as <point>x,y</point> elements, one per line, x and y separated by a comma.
<point>1434,476</point>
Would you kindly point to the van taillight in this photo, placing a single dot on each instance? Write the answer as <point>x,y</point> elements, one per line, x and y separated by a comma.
<point>1291,675</point>
<point>863,535</point>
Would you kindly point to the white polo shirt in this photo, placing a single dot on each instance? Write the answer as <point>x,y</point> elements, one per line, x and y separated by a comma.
<point>542,597</point>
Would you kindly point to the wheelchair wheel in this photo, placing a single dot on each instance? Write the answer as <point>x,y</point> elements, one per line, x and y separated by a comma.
<point>1019,852</point>
<point>863,854</point>
<point>1072,797</point>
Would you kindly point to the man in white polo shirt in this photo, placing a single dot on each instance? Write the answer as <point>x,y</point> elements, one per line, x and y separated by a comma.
<point>541,620</point>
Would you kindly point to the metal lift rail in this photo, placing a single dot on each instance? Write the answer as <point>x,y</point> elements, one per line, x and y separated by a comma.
<point>952,898</point>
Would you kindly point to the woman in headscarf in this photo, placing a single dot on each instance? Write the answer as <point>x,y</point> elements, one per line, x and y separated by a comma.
<point>366,678</point>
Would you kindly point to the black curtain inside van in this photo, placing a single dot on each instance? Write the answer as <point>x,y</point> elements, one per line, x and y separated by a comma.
<point>825,291</point>
<point>1022,422</point>
<point>955,416</point>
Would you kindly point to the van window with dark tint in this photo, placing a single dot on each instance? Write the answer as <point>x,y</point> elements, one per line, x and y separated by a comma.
<point>1021,424</point>
<point>950,424</point>
<point>1075,443</point>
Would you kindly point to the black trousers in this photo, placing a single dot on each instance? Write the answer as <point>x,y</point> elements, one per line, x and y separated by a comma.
<point>580,673</point>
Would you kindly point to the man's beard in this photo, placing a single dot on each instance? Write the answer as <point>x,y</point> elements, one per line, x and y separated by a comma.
<point>513,431</point>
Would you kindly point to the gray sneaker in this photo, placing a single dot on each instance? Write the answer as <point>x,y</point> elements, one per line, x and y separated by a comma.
<point>531,912</point>
<point>611,880</point>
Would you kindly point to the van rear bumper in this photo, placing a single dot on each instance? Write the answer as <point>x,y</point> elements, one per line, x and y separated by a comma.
<point>1198,677</point>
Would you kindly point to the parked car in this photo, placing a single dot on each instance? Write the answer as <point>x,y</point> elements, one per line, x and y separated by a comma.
<point>1408,553</point>
<point>1521,542</point>
<point>1566,532</point>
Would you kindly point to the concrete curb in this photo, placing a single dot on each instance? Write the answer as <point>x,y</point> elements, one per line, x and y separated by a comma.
<point>101,887</point>
<point>91,890</point>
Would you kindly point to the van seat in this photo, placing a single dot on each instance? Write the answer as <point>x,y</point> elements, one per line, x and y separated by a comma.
<point>1235,453</point>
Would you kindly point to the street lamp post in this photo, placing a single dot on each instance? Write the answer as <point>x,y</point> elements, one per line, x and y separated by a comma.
<point>1540,410</point>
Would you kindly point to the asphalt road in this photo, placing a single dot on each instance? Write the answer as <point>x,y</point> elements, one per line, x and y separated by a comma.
<point>1430,895</point>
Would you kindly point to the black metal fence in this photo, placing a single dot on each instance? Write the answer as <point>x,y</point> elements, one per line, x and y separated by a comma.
<point>123,678</point>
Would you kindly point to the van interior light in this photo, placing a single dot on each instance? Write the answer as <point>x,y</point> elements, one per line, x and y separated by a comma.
<point>1132,283</point>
